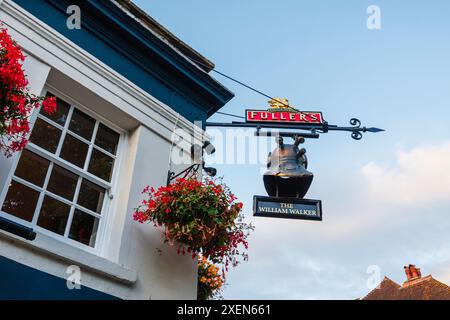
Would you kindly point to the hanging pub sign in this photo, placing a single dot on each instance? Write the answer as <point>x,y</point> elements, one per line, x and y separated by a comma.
<point>287,179</point>
<point>281,112</point>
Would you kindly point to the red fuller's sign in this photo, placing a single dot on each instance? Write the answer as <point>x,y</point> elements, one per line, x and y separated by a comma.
<point>281,112</point>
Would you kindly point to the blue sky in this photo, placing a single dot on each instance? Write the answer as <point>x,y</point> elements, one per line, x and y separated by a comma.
<point>386,198</point>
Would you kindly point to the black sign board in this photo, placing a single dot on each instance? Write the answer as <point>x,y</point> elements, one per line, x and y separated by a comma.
<point>290,208</point>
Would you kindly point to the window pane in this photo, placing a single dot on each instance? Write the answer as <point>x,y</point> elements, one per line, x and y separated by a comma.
<point>74,151</point>
<point>101,165</point>
<point>91,196</point>
<point>82,124</point>
<point>84,228</point>
<point>61,113</point>
<point>32,168</point>
<point>53,215</point>
<point>45,135</point>
<point>62,182</point>
<point>107,139</point>
<point>21,201</point>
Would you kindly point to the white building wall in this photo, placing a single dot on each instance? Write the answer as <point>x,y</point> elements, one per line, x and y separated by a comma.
<point>140,241</point>
<point>128,264</point>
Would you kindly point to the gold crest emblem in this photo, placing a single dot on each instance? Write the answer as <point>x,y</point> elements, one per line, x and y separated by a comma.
<point>280,104</point>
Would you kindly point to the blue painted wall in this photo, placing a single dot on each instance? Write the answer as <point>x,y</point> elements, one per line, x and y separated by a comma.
<point>19,282</point>
<point>123,44</point>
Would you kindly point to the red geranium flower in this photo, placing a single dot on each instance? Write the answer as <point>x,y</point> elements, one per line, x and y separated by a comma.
<point>16,102</point>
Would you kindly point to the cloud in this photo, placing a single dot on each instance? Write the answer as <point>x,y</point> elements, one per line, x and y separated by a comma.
<point>390,215</point>
<point>420,176</point>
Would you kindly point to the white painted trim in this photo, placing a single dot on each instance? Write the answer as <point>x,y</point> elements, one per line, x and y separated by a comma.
<point>130,144</point>
<point>34,221</point>
<point>56,239</point>
<point>72,208</point>
<point>91,147</point>
<point>72,255</point>
<point>45,43</point>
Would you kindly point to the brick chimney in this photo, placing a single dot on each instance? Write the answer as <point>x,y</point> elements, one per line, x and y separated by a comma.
<point>412,273</point>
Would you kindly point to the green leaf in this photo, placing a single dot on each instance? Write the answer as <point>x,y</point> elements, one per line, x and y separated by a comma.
<point>212,211</point>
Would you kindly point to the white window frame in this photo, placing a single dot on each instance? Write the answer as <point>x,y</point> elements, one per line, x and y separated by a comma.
<point>109,204</point>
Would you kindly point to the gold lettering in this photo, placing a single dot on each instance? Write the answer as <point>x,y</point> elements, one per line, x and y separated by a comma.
<point>252,114</point>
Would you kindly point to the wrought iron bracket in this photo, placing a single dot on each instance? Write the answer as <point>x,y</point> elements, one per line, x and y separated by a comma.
<point>356,129</point>
<point>189,171</point>
<point>193,169</point>
<point>314,129</point>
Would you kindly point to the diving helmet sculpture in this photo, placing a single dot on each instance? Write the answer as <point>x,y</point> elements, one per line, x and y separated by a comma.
<point>288,175</point>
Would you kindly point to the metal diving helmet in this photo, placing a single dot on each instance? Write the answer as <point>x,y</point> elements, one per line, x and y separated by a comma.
<point>287,175</point>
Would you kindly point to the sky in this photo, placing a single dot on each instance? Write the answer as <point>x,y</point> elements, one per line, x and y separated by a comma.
<point>386,198</point>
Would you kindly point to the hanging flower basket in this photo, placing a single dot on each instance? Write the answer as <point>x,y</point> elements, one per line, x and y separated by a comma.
<point>201,216</point>
<point>16,102</point>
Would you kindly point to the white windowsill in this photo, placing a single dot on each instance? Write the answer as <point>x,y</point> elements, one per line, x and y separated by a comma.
<point>61,251</point>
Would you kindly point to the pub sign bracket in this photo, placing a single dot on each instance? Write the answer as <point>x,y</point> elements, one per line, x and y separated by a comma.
<point>287,180</point>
